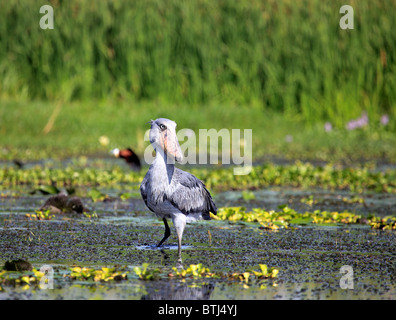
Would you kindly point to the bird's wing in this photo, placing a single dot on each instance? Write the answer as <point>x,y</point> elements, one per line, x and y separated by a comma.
<point>190,195</point>
<point>143,191</point>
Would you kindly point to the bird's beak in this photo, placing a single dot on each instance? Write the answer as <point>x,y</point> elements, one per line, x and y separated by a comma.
<point>171,145</point>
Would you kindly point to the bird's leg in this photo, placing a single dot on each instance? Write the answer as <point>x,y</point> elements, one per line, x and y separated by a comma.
<point>180,222</point>
<point>167,233</point>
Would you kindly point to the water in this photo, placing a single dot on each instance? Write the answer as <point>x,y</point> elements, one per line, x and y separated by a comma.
<point>125,234</point>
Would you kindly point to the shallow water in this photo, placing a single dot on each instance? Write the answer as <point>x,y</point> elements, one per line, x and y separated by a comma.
<point>165,290</point>
<point>309,258</point>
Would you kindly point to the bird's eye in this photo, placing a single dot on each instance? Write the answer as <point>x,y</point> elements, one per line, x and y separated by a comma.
<point>162,126</point>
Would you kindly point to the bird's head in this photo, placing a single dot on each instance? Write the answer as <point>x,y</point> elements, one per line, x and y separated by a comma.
<point>115,152</point>
<point>163,135</point>
<point>124,153</point>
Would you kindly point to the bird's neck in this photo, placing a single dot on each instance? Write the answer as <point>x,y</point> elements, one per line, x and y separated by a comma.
<point>163,165</point>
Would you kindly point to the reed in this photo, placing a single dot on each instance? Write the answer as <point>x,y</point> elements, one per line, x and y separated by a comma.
<point>279,55</point>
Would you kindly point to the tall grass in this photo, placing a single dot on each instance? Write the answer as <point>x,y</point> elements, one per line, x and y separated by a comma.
<point>287,56</point>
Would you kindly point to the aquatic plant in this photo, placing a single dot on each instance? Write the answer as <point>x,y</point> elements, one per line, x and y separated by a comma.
<point>384,223</point>
<point>199,271</point>
<point>253,275</point>
<point>90,216</point>
<point>10,278</point>
<point>286,216</point>
<point>308,200</point>
<point>302,175</point>
<point>248,195</point>
<point>103,274</point>
<point>96,195</point>
<point>193,271</point>
<point>299,174</point>
<point>144,273</point>
<point>265,272</point>
<point>40,215</point>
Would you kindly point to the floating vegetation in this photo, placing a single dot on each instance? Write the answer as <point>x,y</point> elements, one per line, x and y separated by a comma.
<point>10,278</point>
<point>127,195</point>
<point>353,199</point>
<point>144,273</point>
<point>302,175</point>
<point>45,189</point>
<point>96,195</point>
<point>91,216</point>
<point>385,223</point>
<point>264,272</point>
<point>248,195</point>
<point>40,215</point>
<point>193,271</point>
<point>199,271</point>
<point>41,177</point>
<point>310,200</point>
<point>250,275</point>
<point>286,216</point>
<point>103,274</point>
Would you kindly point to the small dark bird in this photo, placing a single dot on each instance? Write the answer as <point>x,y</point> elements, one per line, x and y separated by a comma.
<point>63,203</point>
<point>18,163</point>
<point>17,265</point>
<point>129,156</point>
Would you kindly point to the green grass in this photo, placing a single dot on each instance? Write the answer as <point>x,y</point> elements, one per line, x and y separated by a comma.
<point>282,68</point>
<point>78,126</point>
<point>280,56</point>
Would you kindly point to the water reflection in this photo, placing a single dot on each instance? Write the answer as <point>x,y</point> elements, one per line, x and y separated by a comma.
<point>179,291</point>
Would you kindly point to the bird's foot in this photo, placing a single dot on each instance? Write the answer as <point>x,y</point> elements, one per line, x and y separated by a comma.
<point>179,263</point>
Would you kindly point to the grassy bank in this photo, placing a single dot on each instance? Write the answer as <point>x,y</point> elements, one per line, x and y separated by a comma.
<point>40,130</point>
<point>282,56</point>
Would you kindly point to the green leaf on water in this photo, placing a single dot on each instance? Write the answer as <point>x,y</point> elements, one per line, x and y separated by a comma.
<point>301,221</point>
<point>96,195</point>
<point>46,189</point>
<point>248,195</point>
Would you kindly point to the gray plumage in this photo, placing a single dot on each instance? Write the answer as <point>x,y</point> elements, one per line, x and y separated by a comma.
<point>169,192</point>
<point>185,193</point>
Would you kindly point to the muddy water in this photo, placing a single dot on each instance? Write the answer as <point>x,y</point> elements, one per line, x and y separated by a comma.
<point>309,259</point>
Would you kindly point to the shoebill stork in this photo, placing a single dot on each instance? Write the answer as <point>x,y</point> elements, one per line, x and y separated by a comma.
<point>169,192</point>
